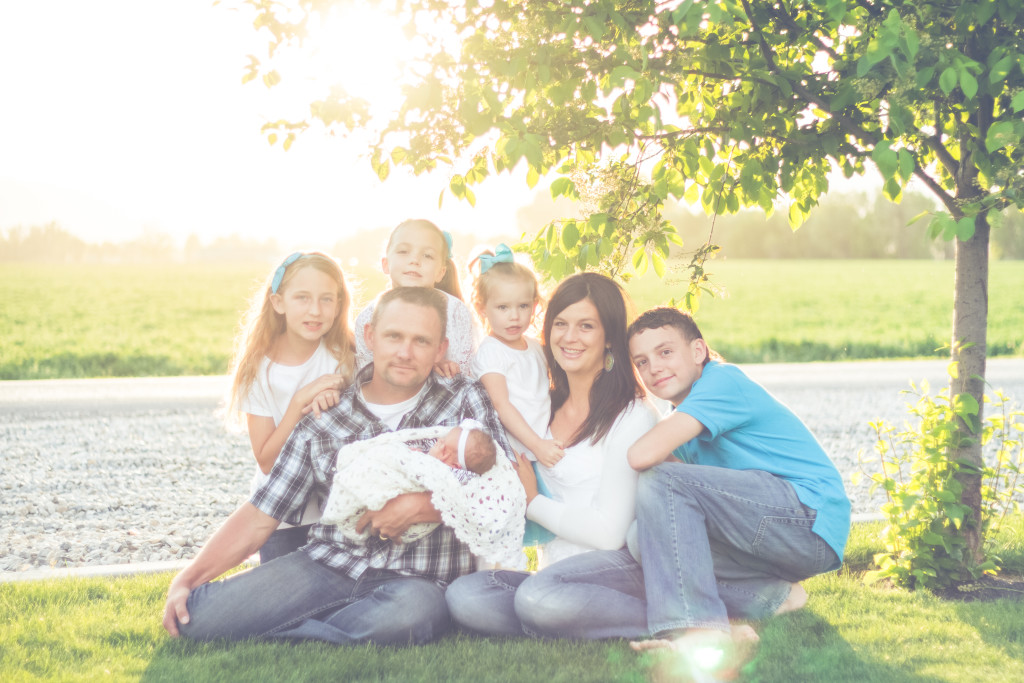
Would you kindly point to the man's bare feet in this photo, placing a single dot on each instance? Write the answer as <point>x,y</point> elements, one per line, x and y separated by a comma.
<point>796,599</point>
<point>706,655</point>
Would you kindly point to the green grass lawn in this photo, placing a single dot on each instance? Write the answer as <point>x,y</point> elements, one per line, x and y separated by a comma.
<point>85,629</point>
<point>153,320</point>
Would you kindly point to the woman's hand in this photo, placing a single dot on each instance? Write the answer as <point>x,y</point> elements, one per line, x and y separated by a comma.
<point>524,468</point>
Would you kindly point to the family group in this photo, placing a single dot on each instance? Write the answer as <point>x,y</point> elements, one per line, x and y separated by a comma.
<point>401,456</point>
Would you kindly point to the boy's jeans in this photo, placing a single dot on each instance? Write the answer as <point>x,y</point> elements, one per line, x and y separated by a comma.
<point>716,543</point>
<point>295,597</point>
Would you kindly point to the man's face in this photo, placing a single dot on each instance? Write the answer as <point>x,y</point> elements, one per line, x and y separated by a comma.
<point>406,343</point>
<point>668,364</point>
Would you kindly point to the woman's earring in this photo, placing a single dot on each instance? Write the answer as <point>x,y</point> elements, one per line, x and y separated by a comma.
<point>609,361</point>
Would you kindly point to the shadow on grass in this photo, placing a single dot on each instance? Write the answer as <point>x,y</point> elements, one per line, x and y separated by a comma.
<point>454,658</point>
<point>804,647</point>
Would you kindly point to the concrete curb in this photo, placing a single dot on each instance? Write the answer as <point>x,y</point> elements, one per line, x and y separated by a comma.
<point>133,569</point>
<point>103,570</point>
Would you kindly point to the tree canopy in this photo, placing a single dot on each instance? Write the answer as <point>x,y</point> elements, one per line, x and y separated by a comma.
<point>729,104</point>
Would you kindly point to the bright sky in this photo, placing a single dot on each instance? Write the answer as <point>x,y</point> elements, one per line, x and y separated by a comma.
<point>122,115</point>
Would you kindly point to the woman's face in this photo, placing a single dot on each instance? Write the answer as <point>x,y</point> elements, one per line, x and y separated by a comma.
<point>577,340</point>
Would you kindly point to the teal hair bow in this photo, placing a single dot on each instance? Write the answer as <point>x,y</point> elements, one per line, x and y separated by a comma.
<point>279,273</point>
<point>502,254</point>
<point>449,241</point>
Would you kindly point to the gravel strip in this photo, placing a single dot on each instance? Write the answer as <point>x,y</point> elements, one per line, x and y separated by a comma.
<point>110,472</point>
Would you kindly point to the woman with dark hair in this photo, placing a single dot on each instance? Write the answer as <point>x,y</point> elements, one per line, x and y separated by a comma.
<point>588,581</point>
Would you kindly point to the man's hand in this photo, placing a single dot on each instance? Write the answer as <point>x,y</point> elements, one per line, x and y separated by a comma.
<point>175,611</point>
<point>398,514</point>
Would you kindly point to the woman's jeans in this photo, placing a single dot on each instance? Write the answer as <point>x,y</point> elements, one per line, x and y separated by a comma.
<point>718,543</point>
<point>598,594</point>
<point>715,543</point>
<point>295,597</point>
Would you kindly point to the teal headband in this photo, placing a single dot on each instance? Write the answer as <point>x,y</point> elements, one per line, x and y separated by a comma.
<point>279,273</point>
<point>502,254</point>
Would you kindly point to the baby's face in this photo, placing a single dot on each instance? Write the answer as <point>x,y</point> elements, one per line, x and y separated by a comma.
<point>446,449</point>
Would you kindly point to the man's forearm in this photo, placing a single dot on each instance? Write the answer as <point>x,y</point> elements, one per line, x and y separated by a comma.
<point>242,534</point>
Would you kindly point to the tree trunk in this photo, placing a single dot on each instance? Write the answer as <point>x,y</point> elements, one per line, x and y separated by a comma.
<point>970,333</point>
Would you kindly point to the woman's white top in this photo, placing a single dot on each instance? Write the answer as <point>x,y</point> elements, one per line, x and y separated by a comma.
<point>526,374</point>
<point>462,334</point>
<point>593,489</point>
<point>272,391</point>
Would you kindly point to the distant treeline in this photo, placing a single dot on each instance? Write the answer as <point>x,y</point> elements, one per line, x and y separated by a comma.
<point>856,226</point>
<point>843,226</point>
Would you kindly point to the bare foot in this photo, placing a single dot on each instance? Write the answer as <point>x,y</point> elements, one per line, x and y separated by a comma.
<point>706,655</point>
<point>796,599</point>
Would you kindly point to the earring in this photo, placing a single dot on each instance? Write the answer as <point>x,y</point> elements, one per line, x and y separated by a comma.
<point>609,361</point>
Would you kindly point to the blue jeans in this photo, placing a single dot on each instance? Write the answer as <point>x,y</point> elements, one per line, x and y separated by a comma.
<point>295,597</point>
<point>284,541</point>
<point>716,543</point>
<point>598,594</point>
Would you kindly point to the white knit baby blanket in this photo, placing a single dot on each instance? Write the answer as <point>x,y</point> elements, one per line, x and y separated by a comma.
<point>486,513</point>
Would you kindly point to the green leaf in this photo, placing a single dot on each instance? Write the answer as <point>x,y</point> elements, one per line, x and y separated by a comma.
<point>965,404</point>
<point>885,158</point>
<point>969,84</point>
<point>1001,69</point>
<point>1018,101</point>
<point>570,236</point>
<point>640,261</point>
<point>658,261</point>
<point>906,164</point>
<point>965,228</point>
<point>947,81</point>
<point>561,186</point>
<point>1000,134</point>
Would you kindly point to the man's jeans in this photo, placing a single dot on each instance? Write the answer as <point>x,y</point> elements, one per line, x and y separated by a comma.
<point>716,543</point>
<point>598,594</point>
<point>294,597</point>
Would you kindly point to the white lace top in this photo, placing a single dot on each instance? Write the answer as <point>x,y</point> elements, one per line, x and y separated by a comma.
<point>463,334</point>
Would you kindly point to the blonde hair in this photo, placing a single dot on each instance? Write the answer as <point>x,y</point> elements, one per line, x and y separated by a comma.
<point>449,283</point>
<point>261,325</point>
<point>484,283</point>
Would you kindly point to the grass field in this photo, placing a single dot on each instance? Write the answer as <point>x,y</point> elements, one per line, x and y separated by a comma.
<point>86,629</point>
<point>104,321</point>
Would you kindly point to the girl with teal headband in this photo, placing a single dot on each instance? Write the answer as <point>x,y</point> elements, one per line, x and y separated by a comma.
<point>294,355</point>
<point>419,254</point>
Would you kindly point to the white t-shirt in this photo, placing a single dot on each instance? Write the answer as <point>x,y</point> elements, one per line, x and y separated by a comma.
<point>462,334</point>
<point>272,391</point>
<point>526,374</point>
<point>391,414</point>
<point>593,489</point>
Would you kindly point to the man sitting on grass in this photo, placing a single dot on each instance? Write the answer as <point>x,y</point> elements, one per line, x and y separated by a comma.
<point>336,589</point>
<point>749,506</point>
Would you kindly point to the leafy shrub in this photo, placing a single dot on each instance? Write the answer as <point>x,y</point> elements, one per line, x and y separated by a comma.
<point>924,509</point>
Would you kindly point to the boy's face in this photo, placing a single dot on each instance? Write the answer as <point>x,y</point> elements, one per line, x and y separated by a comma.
<point>668,364</point>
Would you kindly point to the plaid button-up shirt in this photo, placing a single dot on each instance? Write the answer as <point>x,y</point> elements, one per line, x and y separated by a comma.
<point>306,467</point>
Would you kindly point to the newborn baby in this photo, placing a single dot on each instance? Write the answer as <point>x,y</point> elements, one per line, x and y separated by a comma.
<point>371,472</point>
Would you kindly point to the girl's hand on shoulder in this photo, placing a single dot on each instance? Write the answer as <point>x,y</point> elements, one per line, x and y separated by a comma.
<point>328,398</point>
<point>447,368</point>
<point>305,396</point>
<point>550,452</point>
<point>526,477</point>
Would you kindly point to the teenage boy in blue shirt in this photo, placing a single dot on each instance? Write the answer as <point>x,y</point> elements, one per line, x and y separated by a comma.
<point>737,502</point>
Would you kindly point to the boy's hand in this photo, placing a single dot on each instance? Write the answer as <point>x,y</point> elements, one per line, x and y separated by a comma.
<point>447,368</point>
<point>549,452</point>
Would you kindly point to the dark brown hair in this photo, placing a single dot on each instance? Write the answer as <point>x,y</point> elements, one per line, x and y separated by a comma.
<point>614,390</point>
<point>663,316</point>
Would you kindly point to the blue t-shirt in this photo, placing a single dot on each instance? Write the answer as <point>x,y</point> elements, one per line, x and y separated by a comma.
<point>746,428</point>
